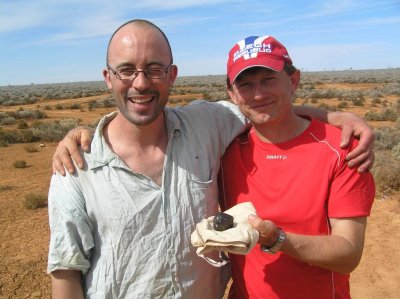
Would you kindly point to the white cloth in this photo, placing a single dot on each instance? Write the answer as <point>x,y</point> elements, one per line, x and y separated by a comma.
<point>239,239</point>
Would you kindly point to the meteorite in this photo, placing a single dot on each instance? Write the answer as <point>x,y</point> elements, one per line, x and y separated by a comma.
<point>222,221</point>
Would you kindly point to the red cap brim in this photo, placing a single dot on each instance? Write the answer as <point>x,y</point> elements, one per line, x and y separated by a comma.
<point>267,62</point>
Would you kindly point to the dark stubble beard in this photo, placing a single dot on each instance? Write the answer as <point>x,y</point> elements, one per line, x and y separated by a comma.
<point>137,118</point>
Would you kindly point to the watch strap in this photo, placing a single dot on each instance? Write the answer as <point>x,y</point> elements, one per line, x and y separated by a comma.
<point>278,244</point>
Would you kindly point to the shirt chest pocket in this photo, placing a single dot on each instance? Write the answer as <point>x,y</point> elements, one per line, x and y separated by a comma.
<point>202,197</point>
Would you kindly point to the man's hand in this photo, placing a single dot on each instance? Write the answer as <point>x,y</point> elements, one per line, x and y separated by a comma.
<point>69,147</point>
<point>268,231</point>
<point>352,125</point>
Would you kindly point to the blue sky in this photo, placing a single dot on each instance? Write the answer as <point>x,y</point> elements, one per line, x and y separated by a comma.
<point>52,41</point>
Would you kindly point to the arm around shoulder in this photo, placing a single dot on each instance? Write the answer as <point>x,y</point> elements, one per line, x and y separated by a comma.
<point>68,149</point>
<point>362,156</point>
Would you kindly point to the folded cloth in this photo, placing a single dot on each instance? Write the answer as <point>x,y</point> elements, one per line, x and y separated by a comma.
<point>239,239</point>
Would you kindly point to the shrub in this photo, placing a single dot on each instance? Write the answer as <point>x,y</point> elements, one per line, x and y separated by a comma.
<point>358,102</point>
<point>386,115</point>
<point>396,152</point>
<point>342,105</point>
<point>53,131</point>
<point>107,103</point>
<point>31,114</point>
<point>327,107</point>
<point>34,201</point>
<point>387,138</point>
<point>376,101</point>
<point>5,187</point>
<point>8,121</point>
<point>30,148</point>
<point>75,106</point>
<point>386,173</point>
<point>22,125</point>
<point>20,164</point>
<point>92,105</point>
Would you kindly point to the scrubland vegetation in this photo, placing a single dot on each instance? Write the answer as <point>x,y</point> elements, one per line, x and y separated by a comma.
<point>372,94</point>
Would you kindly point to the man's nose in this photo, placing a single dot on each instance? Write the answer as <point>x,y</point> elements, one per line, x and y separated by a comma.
<point>141,82</point>
<point>259,92</point>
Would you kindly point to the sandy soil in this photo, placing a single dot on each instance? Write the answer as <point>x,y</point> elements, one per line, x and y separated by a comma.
<point>24,234</point>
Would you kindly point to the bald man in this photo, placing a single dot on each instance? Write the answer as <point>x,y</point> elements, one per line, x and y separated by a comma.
<point>121,225</point>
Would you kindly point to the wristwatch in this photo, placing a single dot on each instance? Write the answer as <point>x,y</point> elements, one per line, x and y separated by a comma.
<point>278,244</point>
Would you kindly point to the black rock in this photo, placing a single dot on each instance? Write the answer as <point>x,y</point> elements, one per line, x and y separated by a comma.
<point>222,221</point>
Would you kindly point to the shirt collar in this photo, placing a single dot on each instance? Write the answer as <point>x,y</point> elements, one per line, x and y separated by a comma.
<point>101,153</point>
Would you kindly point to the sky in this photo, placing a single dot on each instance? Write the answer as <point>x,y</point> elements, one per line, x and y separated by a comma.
<point>54,41</point>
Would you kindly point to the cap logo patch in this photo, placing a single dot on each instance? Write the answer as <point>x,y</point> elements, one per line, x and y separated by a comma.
<point>250,47</point>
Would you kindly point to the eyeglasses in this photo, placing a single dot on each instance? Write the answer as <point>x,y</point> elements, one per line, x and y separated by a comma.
<point>128,74</point>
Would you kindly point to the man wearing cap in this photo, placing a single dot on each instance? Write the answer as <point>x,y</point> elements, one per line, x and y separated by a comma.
<point>311,208</point>
<point>123,220</point>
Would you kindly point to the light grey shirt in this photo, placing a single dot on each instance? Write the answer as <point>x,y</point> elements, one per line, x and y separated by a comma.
<point>131,237</point>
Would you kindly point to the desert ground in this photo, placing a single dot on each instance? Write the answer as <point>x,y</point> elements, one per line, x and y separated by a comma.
<point>24,233</point>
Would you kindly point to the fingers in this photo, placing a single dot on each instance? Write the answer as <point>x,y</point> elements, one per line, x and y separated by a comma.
<point>57,166</point>
<point>362,155</point>
<point>364,161</point>
<point>68,149</point>
<point>267,229</point>
<point>62,160</point>
<point>345,138</point>
<point>86,137</point>
<point>257,223</point>
<point>360,150</point>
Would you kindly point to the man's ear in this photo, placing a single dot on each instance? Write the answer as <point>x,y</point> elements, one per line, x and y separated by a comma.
<point>295,79</point>
<point>107,79</point>
<point>231,94</point>
<point>173,73</point>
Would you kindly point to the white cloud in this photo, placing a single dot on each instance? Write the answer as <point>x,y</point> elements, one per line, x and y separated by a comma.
<point>14,16</point>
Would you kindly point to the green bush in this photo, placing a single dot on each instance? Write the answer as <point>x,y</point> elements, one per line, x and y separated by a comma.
<point>386,115</point>
<point>39,131</point>
<point>5,187</point>
<point>387,138</point>
<point>75,106</point>
<point>386,172</point>
<point>396,152</point>
<point>358,102</point>
<point>34,201</point>
<point>343,104</point>
<point>327,107</point>
<point>8,121</point>
<point>30,148</point>
<point>20,164</point>
<point>22,125</point>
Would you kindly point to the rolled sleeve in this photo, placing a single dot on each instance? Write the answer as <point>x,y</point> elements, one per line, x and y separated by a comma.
<point>71,238</point>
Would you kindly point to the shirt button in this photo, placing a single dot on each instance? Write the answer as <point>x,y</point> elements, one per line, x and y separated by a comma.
<point>177,134</point>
